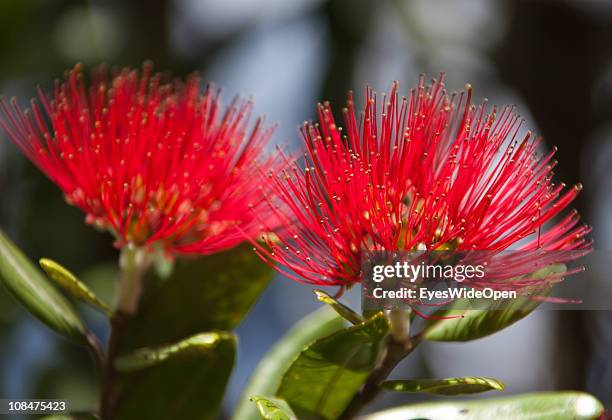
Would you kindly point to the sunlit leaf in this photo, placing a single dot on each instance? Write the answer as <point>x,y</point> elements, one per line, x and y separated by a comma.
<point>326,375</point>
<point>146,357</point>
<point>453,324</point>
<point>343,310</point>
<point>75,416</point>
<point>273,408</point>
<point>266,377</point>
<point>71,284</point>
<point>446,386</point>
<point>540,406</point>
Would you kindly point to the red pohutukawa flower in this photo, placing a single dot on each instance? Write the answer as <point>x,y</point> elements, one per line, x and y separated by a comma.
<point>157,163</point>
<point>426,172</point>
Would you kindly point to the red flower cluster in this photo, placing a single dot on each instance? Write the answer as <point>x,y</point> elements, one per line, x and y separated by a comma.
<point>155,163</point>
<point>426,172</point>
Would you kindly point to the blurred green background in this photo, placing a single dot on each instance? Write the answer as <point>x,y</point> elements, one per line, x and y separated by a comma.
<point>552,58</point>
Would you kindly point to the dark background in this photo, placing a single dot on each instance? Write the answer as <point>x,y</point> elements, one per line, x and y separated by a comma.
<point>551,58</point>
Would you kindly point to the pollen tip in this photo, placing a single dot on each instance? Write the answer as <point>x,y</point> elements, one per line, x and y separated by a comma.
<point>578,186</point>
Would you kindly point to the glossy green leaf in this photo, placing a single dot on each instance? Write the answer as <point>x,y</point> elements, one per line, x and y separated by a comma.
<point>470,324</point>
<point>185,381</point>
<point>323,379</point>
<point>205,294</point>
<point>540,406</point>
<point>146,357</point>
<point>71,284</point>
<point>57,417</point>
<point>29,286</point>
<point>209,293</point>
<point>446,386</point>
<point>273,408</point>
<point>267,375</point>
<point>342,310</point>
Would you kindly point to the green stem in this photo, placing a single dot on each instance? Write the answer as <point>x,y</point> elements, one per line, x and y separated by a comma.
<point>109,390</point>
<point>133,263</point>
<point>399,345</point>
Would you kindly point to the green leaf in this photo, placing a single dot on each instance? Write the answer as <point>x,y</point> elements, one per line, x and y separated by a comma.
<point>470,324</point>
<point>184,381</point>
<point>273,408</point>
<point>71,284</point>
<point>267,375</point>
<point>343,310</point>
<point>323,379</point>
<point>447,386</point>
<point>28,285</point>
<point>146,357</point>
<point>209,293</point>
<point>57,417</point>
<point>206,294</point>
<point>541,406</point>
